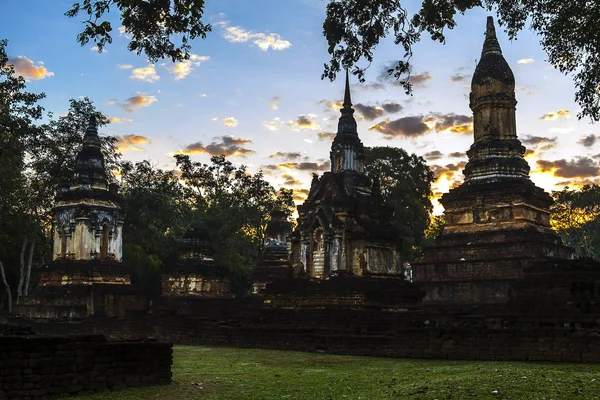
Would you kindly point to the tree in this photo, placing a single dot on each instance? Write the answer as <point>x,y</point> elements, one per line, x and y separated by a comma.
<point>234,206</point>
<point>575,215</point>
<point>152,24</point>
<point>18,110</point>
<point>54,151</point>
<point>568,32</point>
<point>157,216</point>
<point>354,28</point>
<point>406,186</point>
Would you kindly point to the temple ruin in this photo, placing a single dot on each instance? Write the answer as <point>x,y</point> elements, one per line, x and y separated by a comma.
<point>497,220</point>
<point>343,226</point>
<point>87,276</point>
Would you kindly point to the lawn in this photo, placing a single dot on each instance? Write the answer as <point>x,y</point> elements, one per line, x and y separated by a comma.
<point>227,373</point>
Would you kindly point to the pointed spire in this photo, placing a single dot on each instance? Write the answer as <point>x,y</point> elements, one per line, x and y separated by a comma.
<point>490,45</point>
<point>91,138</point>
<point>347,99</point>
<point>347,123</point>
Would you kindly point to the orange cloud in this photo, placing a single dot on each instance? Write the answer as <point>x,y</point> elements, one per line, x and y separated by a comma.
<point>131,142</point>
<point>556,115</point>
<point>28,70</point>
<point>304,122</point>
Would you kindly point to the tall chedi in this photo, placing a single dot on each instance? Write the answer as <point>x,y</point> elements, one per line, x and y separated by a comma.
<point>343,226</point>
<point>497,221</point>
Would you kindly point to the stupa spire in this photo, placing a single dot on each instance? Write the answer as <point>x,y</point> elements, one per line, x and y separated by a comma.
<point>347,98</point>
<point>89,164</point>
<point>491,44</point>
<point>347,151</point>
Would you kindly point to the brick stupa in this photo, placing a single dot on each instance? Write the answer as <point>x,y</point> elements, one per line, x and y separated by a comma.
<point>498,220</point>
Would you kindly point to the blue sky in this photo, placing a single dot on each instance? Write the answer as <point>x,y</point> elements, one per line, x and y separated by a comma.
<point>253,89</point>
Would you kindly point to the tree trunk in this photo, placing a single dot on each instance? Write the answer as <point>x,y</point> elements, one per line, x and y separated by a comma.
<point>21,270</point>
<point>28,270</point>
<point>8,292</point>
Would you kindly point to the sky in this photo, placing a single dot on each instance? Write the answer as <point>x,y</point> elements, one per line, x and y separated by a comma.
<point>253,91</point>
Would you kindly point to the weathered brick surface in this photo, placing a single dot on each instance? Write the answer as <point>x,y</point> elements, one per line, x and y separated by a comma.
<point>40,367</point>
<point>412,334</point>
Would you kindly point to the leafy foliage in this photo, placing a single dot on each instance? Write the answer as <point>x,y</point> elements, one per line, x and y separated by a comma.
<point>406,186</point>
<point>152,24</point>
<point>18,111</point>
<point>234,207</point>
<point>53,152</point>
<point>157,216</point>
<point>568,32</point>
<point>576,218</point>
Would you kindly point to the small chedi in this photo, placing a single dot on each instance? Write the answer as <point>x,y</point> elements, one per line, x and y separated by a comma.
<point>273,262</point>
<point>195,273</point>
<point>343,226</point>
<point>87,276</point>
<point>497,222</point>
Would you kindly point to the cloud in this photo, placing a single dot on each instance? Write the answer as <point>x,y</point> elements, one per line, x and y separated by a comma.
<point>146,74</point>
<point>451,122</point>
<point>457,154</point>
<point>273,125</point>
<point>433,155</point>
<point>288,156</point>
<point>420,79</point>
<point>183,68</point>
<point>124,66</point>
<point>326,136</point>
<point>458,77</point>
<point>28,70</point>
<point>581,167</point>
<point>537,140</point>
<point>332,105</point>
<point>556,115</point>
<point>290,180</point>
<point>230,122</point>
<point>123,33</point>
<point>528,90</point>
<point>300,194</point>
<point>118,120</point>
<point>304,122</point>
<point>134,103</point>
<point>300,166</point>
<point>448,170</point>
<point>541,143</point>
<point>588,141</point>
<point>405,126</point>
<point>131,142</point>
<point>264,41</point>
<point>274,103</point>
<point>370,113</point>
<point>391,107</point>
<point>97,50</point>
<point>221,145</point>
<point>525,61</point>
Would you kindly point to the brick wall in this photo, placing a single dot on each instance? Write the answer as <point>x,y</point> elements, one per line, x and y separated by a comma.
<point>36,367</point>
<point>361,332</point>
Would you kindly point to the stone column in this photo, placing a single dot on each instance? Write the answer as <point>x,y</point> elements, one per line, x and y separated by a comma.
<point>327,248</point>
<point>336,247</point>
<point>305,253</point>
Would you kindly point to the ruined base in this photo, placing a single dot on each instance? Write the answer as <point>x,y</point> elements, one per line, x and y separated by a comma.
<point>368,292</point>
<point>42,367</point>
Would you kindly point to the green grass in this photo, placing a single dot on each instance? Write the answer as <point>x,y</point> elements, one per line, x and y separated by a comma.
<point>227,373</point>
